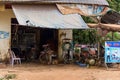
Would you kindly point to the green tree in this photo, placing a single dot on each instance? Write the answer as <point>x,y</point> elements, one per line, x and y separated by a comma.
<point>88,19</point>
<point>114,4</point>
<point>88,36</point>
<point>115,37</point>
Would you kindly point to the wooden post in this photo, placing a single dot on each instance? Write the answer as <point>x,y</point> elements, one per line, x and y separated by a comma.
<point>99,22</point>
<point>98,46</point>
<point>112,35</point>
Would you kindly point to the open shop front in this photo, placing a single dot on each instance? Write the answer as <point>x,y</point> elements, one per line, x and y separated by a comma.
<point>39,25</point>
<point>27,42</point>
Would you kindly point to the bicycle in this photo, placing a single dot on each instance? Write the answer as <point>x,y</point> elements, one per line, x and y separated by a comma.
<point>46,55</point>
<point>67,56</point>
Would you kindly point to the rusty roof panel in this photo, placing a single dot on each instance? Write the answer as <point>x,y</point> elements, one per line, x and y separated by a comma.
<point>99,2</point>
<point>111,17</point>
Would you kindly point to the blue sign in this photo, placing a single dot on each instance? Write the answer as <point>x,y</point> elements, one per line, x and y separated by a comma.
<point>112,52</point>
<point>4,34</point>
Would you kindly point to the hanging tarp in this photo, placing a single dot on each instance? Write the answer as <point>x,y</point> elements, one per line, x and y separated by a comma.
<point>86,10</point>
<point>47,16</point>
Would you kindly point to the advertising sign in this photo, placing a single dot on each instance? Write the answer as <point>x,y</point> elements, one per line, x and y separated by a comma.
<point>4,34</point>
<point>112,52</point>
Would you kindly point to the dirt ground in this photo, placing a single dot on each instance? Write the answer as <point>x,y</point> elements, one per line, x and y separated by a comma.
<point>59,72</point>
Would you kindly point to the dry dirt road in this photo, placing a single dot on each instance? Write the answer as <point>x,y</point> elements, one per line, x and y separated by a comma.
<point>59,72</point>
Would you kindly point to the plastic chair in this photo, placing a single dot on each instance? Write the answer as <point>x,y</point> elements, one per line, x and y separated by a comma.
<point>13,58</point>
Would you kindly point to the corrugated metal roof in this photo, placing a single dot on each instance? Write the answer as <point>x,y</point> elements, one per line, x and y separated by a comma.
<point>99,2</point>
<point>47,16</point>
<point>111,17</point>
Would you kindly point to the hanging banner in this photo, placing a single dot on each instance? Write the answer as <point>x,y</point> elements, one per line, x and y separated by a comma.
<point>112,52</point>
<point>86,10</point>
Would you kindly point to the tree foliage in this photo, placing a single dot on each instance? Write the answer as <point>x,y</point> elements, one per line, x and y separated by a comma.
<point>88,36</point>
<point>88,19</point>
<point>91,36</point>
<point>114,4</point>
<point>116,36</point>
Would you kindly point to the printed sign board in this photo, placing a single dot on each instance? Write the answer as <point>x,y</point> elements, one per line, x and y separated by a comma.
<point>4,34</point>
<point>112,52</point>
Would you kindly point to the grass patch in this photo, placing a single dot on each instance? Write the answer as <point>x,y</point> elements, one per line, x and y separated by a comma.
<point>8,77</point>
